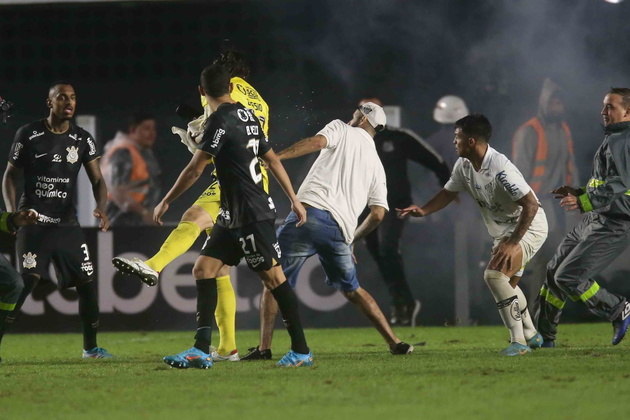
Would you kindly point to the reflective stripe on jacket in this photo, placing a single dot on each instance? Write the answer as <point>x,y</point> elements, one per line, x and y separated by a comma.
<point>138,185</point>
<point>539,169</point>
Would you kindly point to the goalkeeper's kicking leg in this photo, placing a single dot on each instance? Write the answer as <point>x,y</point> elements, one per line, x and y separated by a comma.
<point>196,219</point>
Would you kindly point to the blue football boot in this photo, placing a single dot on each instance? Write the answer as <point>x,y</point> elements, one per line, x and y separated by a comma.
<point>97,353</point>
<point>535,342</point>
<point>193,357</point>
<point>516,349</point>
<point>293,359</point>
<point>621,324</point>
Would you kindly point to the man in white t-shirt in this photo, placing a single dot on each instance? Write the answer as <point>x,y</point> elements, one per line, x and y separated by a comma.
<point>346,176</point>
<point>512,214</point>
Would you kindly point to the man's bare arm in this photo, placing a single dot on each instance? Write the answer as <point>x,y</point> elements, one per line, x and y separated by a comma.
<point>377,213</point>
<point>304,147</point>
<point>277,169</point>
<point>438,202</point>
<point>9,181</point>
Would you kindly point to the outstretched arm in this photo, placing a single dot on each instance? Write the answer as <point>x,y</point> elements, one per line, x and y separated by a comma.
<point>9,185</point>
<point>99,189</point>
<point>438,202</point>
<point>304,147</point>
<point>189,175</point>
<point>277,169</point>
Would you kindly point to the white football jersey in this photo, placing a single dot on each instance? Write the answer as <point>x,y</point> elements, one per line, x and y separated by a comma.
<point>495,187</point>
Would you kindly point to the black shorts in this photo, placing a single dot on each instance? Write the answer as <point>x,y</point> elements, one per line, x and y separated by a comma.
<point>65,246</point>
<point>256,242</point>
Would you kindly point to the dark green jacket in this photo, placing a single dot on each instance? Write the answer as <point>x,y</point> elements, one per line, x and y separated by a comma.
<point>608,190</point>
<point>6,222</point>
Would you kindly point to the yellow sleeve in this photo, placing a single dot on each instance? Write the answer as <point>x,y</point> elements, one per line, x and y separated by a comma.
<point>245,94</point>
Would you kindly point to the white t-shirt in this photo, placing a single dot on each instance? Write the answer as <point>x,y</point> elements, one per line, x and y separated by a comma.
<point>496,188</point>
<point>346,176</point>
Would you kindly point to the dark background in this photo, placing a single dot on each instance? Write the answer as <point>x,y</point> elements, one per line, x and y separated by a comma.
<point>312,61</point>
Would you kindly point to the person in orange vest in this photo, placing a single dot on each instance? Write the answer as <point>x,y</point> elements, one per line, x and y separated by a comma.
<point>132,173</point>
<point>542,149</point>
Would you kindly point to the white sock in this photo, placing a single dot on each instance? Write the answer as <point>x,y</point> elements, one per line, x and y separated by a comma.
<point>529,330</point>
<point>507,303</point>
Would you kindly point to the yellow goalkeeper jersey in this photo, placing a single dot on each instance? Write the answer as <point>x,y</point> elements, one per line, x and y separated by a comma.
<point>245,94</point>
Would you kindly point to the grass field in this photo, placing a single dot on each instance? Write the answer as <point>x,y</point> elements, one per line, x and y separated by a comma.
<point>456,374</point>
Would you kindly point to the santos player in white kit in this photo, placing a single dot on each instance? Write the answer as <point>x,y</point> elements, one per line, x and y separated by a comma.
<point>512,214</point>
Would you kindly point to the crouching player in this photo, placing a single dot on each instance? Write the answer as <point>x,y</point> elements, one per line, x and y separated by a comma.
<point>512,214</point>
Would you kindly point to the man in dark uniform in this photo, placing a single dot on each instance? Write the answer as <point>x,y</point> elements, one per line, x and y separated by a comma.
<point>395,147</point>
<point>245,225</point>
<point>11,284</point>
<point>48,154</point>
<point>602,234</point>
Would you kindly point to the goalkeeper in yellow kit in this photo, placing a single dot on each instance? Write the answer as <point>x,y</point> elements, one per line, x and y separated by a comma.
<point>202,214</point>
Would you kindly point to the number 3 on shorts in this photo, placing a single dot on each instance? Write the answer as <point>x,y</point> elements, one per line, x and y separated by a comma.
<point>85,251</point>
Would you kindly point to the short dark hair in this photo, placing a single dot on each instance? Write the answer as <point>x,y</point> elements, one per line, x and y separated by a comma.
<point>215,80</point>
<point>58,83</point>
<point>623,92</point>
<point>234,62</point>
<point>136,118</point>
<point>476,126</point>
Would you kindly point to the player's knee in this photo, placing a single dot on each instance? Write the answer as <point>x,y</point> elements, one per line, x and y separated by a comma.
<point>29,280</point>
<point>224,271</point>
<point>200,272</point>
<point>351,295</point>
<point>493,276</point>
<point>199,216</point>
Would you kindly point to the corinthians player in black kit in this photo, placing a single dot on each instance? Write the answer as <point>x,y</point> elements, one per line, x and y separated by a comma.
<point>245,225</point>
<point>48,154</point>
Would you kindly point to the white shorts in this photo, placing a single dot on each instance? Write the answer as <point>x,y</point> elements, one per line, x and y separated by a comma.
<point>532,241</point>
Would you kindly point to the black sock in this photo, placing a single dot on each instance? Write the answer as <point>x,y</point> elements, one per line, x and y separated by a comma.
<point>287,302</point>
<point>88,311</point>
<point>206,305</point>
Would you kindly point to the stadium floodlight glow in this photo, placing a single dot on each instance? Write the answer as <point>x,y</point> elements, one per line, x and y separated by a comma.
<point>613,1</point>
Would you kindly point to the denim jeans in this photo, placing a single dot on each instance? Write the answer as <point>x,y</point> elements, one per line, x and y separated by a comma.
<point>320,235</point>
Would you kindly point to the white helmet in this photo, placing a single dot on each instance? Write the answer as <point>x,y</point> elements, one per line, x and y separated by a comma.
<point>449,109</point>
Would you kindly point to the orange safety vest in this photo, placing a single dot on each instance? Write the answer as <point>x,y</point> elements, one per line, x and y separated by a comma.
<point>542,151</point>
<point>138,185</point>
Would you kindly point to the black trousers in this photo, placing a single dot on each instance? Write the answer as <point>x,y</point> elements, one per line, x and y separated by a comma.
<point>384,246</point>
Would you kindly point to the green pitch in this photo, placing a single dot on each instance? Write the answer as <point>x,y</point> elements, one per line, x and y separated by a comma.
<point>456,374</point>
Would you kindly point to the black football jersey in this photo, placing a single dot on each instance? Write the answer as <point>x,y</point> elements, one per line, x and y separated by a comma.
<point>51,163</point>
<point>234,138</point>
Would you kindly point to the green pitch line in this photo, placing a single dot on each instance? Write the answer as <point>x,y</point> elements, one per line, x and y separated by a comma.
<point>456,374</point>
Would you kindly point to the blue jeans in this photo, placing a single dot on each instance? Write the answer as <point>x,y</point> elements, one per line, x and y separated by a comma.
<point>320,235</point>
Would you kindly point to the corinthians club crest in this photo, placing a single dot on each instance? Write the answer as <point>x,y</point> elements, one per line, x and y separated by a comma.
<point>29,260</point>
<point>73,154</point>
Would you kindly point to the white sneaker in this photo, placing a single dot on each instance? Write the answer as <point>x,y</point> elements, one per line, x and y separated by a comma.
<point>232,357</point>
<point>138,268</point>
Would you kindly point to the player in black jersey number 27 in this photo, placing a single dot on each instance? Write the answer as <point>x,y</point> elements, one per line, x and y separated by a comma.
<point>48,154</point>
<point>245,225</point>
